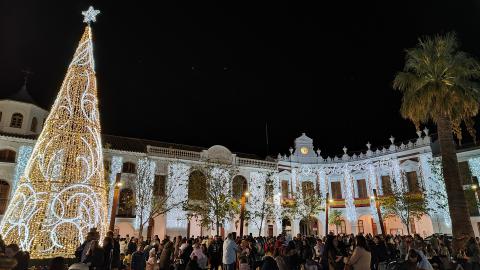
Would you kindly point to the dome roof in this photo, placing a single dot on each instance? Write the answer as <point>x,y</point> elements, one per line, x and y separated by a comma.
<point>23,95</point>
<point>219,153</point>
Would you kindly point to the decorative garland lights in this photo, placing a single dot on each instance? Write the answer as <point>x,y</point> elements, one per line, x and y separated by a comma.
<point>178,174</point>
<point>144,190</point>
<point>61,194</point>
<point>115,167</point>
<point>349,195</point>
<point>24,154</point>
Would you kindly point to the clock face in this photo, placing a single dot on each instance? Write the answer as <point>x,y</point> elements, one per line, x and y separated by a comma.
<point>304,150</point>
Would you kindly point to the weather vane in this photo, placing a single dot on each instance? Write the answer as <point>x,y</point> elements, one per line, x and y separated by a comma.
<point>90,14</point>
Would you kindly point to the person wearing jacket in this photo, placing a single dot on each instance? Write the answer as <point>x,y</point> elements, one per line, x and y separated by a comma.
<point>230,249</point>
<point>95,257</point>
<point>361,257</point>
<point>138,259</point>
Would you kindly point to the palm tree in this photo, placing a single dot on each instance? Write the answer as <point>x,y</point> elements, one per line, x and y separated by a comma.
<point>438,84</point>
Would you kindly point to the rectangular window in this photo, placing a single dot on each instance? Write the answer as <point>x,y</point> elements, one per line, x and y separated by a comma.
<point>336,190</point>
<point>285,188</point>
<point>361,229</point>
<point>307,189</point>
<point>362,189</point>
<point>159,185</point>
<point>412,181</point>
<point>386,185</point>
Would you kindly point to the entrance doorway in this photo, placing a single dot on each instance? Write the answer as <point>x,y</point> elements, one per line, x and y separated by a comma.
<point>309,227</point>
<point>286,227</point>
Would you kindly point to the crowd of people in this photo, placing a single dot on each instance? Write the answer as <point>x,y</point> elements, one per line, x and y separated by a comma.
<point>282,252</point>
<point>332,252</point>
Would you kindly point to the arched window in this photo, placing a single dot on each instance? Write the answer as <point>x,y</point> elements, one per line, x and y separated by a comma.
<point>33,127</point>
<point>17,119</point>
<point>4,189</point>
<point>126,203</point>
<point>239,186</point>
<point>7,155</point>
<point>197,186</point>
<point>129,167</point>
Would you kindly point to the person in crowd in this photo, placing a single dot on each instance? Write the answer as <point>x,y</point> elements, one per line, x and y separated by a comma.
<point>2,244</point>
<point>279,259</point>
<point>318,250</point>
<point>419,260</point>
<point>152,260</point>
<point>138,259</point>
<point>132,246</point>
<point>115,260</point>
<point>201,258</point>
<point>122,265</point>
<point>81,252</point>
<point>22,258</point>
<point>58,263</point>
<point>361,257</point>
<point>332,258</point>
<point>166,255</point>
<point>215,253</point>
<point>269,262</point>
<point>108,252</point>
<point>193,264</point>
<point>291,256</point>
<point>472,253</point>
<point>244,264</point>
<point>229,253</point>
<point>379,252</point>
<point>95,258</point>
<point>245,251</point>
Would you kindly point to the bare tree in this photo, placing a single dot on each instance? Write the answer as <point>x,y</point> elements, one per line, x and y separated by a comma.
<point>262,205</point>
<point>150,204</point>
<point>217,204</point>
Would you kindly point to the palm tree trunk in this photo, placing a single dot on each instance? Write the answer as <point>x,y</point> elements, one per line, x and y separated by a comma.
<point>457,203</point>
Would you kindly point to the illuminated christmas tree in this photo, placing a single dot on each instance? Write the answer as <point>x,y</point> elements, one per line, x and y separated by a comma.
<point>61,194</point>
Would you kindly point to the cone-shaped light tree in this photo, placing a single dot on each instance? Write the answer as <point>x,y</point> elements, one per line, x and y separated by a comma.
<point>61,194</point>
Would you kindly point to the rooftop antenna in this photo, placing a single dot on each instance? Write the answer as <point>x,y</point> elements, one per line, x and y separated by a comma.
<point>26,75</point>
<point>266,135</point>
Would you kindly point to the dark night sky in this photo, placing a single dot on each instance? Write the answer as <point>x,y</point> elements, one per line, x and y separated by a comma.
<point>205,74</point>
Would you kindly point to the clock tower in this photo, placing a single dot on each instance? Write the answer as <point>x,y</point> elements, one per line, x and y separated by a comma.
<point>304,147</point>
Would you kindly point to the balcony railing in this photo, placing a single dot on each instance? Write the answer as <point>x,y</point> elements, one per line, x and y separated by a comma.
<point>173,153</point>
<point>197,156</point>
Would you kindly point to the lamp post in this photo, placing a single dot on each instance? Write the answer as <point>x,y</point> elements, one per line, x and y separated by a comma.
<point>327,206</point>
<point>116,195</point>
<point>242,211</point>
<point>475,190</point>
<point>379,213</point>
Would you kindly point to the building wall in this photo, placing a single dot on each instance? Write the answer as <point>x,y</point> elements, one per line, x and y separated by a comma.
<point>302,165</point>
<point>9,107</point>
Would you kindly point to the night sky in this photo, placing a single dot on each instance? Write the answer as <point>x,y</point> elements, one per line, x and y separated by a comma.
<point>205,74</point>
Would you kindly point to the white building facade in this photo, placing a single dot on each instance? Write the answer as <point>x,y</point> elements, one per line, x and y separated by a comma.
<point>349,180</point>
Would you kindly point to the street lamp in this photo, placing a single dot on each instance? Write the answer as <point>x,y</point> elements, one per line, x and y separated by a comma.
<point>242,211</point>
<point>116,193</point>
<point>379,213</point>
<point>327,206</point>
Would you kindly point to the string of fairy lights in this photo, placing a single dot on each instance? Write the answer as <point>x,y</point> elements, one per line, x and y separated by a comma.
<point>61,193</point>
<point>24,153</point>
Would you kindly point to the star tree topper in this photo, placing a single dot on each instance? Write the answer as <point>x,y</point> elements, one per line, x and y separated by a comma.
<point>90,14</point>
